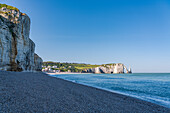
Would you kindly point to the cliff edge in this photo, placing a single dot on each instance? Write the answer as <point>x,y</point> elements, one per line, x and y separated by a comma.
<point>109,69</point>
<point>17,50</point>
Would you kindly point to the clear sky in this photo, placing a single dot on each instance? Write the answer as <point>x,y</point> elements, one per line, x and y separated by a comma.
<point>133,32</point>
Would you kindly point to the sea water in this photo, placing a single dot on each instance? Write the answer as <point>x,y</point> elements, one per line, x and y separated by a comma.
<point>152,87</point>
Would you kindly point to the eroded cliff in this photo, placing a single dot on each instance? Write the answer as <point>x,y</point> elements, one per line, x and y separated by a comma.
<point>16,48</point>
<point>108,68</point>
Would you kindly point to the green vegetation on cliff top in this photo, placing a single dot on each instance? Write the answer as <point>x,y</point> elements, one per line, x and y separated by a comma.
<point>66,65</point>
<point>9,7</point>
<point>74,67</point>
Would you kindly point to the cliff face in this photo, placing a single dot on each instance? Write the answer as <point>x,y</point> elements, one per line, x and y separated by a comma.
<point>114,68</point>
<point>16,48</point>
<point>38,63</point>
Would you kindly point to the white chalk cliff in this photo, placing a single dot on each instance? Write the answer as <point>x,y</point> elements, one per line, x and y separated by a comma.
<point>108,68</point>
<point>17,50</point>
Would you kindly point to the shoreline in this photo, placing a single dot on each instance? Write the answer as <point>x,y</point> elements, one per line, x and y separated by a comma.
<point>152,100</point>
<point>39,92</point>
<point>66,73</point>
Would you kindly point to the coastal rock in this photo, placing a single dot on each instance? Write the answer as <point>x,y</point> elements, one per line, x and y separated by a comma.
<point>108,68</point>
<point>16,48</point>
<point>38,62</point>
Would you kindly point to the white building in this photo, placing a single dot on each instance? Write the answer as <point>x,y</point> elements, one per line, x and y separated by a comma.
<point>48,66</point>
<point>54,67</point>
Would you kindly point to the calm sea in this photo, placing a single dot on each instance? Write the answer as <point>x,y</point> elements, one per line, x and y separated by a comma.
<point>152,87</point>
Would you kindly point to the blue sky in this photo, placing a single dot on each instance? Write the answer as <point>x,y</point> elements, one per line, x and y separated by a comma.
<point>133,32</point>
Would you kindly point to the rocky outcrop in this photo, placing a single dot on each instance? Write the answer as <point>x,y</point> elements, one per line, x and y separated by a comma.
<point>38,62</point>
<point>108,68</point>
<point>16,48</point>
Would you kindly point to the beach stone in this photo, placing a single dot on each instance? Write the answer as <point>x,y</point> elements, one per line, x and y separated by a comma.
<point>17,50</point>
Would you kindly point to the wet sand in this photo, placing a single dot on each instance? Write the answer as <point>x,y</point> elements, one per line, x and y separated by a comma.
<point>38,92</point>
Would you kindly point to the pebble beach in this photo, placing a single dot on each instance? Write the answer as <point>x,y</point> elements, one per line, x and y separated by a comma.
<point>38,92</point>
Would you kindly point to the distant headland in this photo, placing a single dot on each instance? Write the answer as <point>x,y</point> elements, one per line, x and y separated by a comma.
<point>112,68</point>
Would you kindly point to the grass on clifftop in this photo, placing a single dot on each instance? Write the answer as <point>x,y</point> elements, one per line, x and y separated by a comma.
<point>9,7</point>
<point>74,67</point>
